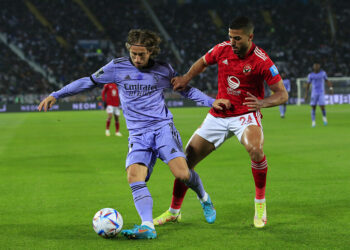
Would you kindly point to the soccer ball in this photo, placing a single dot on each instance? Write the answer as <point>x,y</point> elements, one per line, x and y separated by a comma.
<point>107,222</point>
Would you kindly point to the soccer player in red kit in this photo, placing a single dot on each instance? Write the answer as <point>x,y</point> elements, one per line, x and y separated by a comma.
<point>242,69</point>
<point>111,99</point>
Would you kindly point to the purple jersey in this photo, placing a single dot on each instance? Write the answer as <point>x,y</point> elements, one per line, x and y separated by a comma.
<point>317,81</point>
<point>140,91</point>
<point>286,83</point>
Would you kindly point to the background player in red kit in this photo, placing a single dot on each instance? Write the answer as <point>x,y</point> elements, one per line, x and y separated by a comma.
<point>242,69</point>
<point>111,99</point>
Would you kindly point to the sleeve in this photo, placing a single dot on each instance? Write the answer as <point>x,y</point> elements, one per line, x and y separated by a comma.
<point>309,78</point>
<point>74,88</point>
<point>104,75</point>
<point>172,72</point>
<point>198,96</point>
<point>270,72</point>
<point>212,55</point>
<point>325,75</point>
<point>103,93</point>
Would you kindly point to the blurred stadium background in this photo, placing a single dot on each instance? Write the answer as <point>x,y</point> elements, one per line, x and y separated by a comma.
<point>58,168</point>
<point>45,44</point>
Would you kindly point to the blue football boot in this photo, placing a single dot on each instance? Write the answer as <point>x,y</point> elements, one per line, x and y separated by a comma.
<point>209,211</point>
<point>140,232</point>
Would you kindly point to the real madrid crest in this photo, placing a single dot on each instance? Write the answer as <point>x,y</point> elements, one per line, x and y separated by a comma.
<point>247,69</point>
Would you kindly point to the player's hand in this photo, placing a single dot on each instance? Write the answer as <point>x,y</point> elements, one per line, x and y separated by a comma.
<point>47,103</point>
<point>253,103</point>
<point>222,104</point>
<point>105,105</point>
<point>180,82</point>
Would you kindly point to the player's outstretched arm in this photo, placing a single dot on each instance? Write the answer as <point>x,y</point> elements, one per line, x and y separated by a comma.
<point>47,103</point>
<point>180,82</point>
<point>73,88</point>
<point>198,96</point>
<point>279,97</point>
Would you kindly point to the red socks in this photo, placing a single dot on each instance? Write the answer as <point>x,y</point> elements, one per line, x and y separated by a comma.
<point>179,192</point>
<point>259,170</point>
<point>108,123</point>
<point>117,126</point>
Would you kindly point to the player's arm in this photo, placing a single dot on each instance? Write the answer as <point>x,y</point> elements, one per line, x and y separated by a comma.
<point>180,82</point>
<point>198,96</point>
<point>307,90</point>
<point>101,77</point>
<point>280,96</point>
<point>330,86</point>
<point>73,88</point>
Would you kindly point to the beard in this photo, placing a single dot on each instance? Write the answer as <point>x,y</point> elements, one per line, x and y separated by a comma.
<point>240,51</point>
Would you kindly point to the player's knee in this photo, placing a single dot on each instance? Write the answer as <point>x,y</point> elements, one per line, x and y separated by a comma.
<point>182,175</point>
<point>134,174</point>
<point>255,152</point>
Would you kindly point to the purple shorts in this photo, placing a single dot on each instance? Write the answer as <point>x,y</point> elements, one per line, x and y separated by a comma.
<point>164,143</point>
<point>317,99</point>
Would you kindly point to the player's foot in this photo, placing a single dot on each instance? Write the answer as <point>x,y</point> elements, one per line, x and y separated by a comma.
<point>118,134</point>
<point>282,116</point>
<point>260,217</point>
<point>313,124</point>
<point>209,211</point>
<point>108,133</point>
<point>167,216</point>
<point>140,232</point>
<point>325,122</point>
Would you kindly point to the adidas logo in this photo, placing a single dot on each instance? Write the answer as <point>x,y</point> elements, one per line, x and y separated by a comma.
<point>127,77</point>
<point>173,151</point>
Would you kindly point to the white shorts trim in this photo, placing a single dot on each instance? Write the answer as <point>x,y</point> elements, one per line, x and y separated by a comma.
<point>217,130</point>
<point>113,110</point>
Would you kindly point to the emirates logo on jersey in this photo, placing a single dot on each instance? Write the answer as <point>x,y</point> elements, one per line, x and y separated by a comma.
<point>233,82</point>
<point>247,69</point>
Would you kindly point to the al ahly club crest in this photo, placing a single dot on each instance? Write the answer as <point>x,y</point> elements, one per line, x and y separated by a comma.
<point>247,69</point>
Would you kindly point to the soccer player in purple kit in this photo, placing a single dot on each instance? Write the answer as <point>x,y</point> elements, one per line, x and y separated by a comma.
<point>317,78</point>
<point>286,82</point>
<point>152,134</point>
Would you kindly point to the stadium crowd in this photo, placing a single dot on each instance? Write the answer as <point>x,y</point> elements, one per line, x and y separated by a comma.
<point>293,42</point>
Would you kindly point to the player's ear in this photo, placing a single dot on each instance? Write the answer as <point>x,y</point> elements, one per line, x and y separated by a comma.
<point>251,36</point>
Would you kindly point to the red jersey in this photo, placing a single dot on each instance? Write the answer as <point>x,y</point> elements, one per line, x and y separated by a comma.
<point>111,91</point>
<point>237,76</point>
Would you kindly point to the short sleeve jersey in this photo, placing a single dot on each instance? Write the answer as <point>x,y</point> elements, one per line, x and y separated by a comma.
<point>110,94</point>
<point>317,81</point>
<point>237,76</point>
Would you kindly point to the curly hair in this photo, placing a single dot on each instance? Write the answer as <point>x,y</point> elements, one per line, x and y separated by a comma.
<point>146,38</point>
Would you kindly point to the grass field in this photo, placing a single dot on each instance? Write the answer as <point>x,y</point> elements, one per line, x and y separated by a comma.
<point>58,168</point>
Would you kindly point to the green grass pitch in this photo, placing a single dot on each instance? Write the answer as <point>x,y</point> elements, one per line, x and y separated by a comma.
<point>58,168</point>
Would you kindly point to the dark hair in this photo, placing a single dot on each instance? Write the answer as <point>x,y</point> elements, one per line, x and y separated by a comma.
<point>146,38</point>
<point>243,23</point>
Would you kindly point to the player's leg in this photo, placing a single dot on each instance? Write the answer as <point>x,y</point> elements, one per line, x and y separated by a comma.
<point>139,163</point>
<point>324,116</point>
<point>196,150</point>
<point>322,104</point>
<point>180,170</point>
<point>284,109</point>
<point>116,120</point>
<point>253,140</point>
<point>281,107</point>
<point>313,103</point>
<point>109,111</point>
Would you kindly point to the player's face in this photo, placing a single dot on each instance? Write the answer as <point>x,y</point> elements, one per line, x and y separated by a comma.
<point>139,56</point>
<point>240,41</point>
<point>316,67</point>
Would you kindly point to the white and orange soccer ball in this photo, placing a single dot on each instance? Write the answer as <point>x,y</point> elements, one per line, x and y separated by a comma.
<point>107,222</point>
